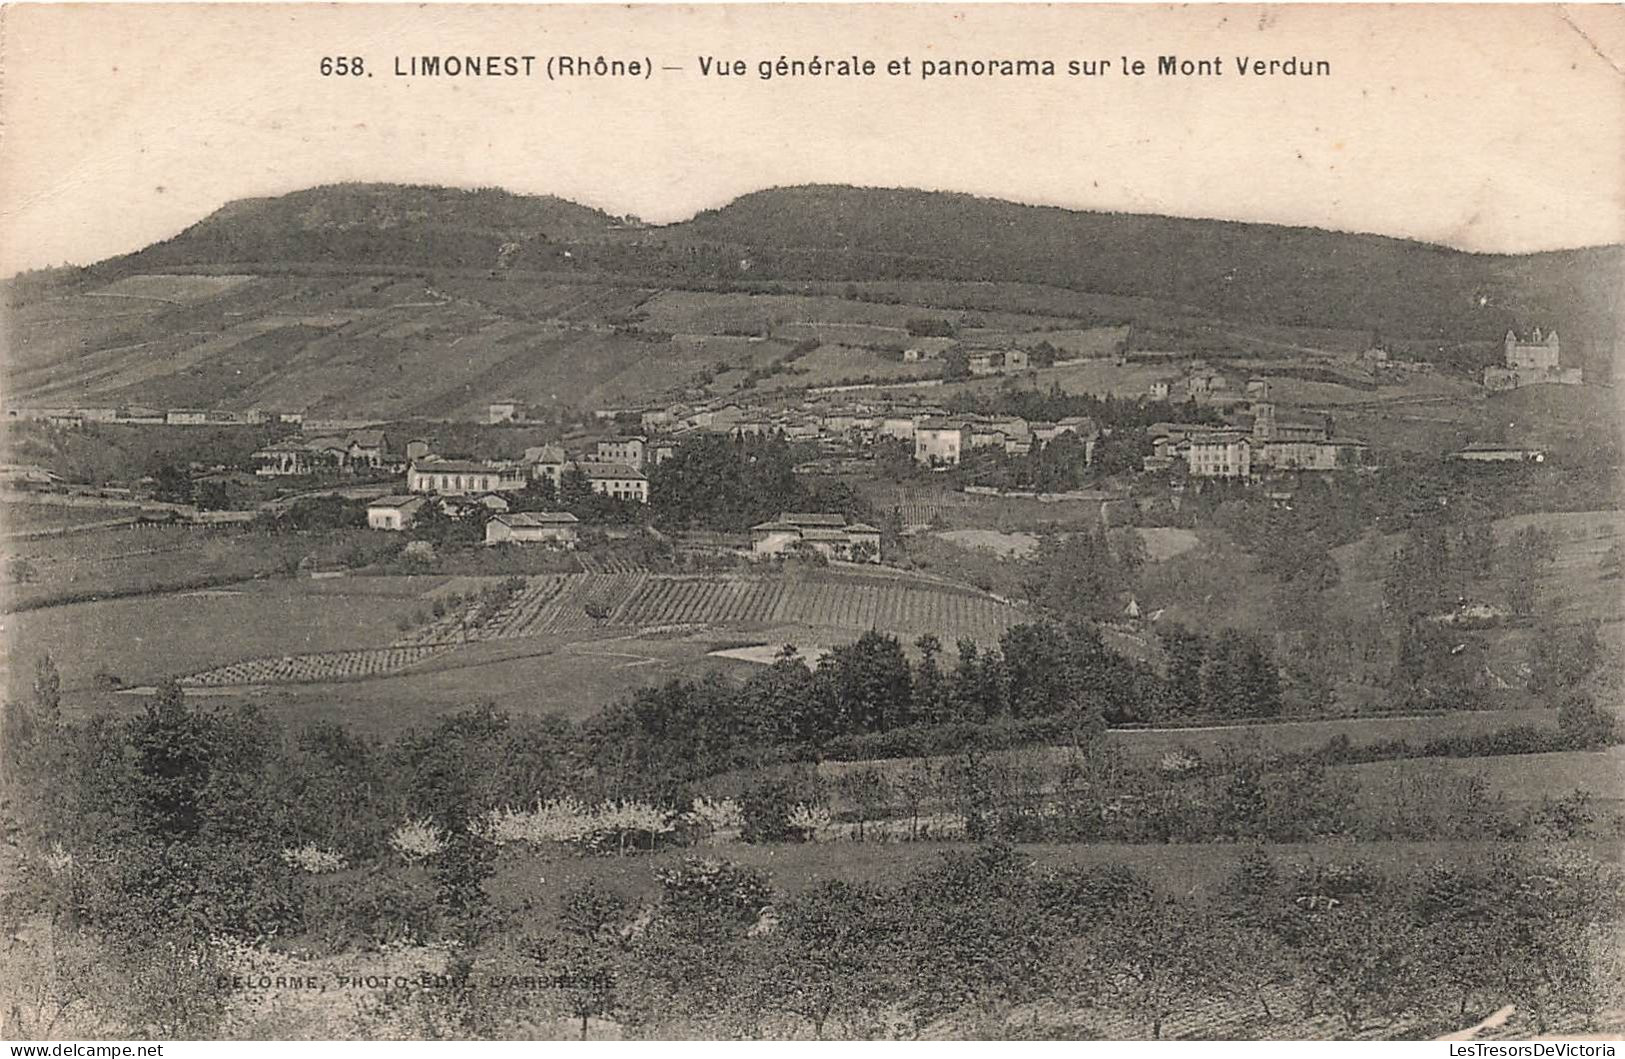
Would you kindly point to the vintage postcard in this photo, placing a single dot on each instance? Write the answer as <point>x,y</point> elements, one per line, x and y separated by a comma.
<point>817,522</point>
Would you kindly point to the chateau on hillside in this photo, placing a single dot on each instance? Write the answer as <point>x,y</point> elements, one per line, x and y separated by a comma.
<point>1531,360</point>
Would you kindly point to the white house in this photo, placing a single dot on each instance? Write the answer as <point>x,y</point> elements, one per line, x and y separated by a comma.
<point>938,442</point>
<point>393,512</point>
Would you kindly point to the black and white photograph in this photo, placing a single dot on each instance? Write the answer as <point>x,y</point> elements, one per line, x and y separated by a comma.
<point>799,522</point>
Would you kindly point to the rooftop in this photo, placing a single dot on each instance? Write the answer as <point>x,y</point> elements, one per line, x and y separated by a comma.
<point>437,466</point>
<point>796,518</point>
<point>597,469</point>
<point>537,518</point>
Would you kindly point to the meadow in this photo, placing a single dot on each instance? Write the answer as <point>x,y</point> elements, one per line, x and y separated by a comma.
<point>144,639</point>
<point>145,559</point>
<point>1519,778</point>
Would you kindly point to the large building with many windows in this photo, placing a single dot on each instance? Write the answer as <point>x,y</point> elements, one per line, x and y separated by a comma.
<point>462,477</point>
<point>1219,454</point>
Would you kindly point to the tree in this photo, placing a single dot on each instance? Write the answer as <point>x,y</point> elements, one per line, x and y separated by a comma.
<point>47,693</point>
<point>833,952</point>
<point>930,685</point>
<point>978,686</point>
<point>869,789</point>
<point>975,934</point>
<point>1186,652</point>
<point>172,484</point>
<point>1563,656</point>
<point>867,684</point>
<point>1452,909</point>
<point>1153,957</point>
<point>1585,725</point>
<point>955,364</point>
<point>1078,575</point>
<point>1529,555</point>
<point>174,748</point>
<point>1420,576</point>
<point>1357,954</point>
<point>766,807</point>
<point>212,495</point>
<point>784,707</point>
<point>583,953</point>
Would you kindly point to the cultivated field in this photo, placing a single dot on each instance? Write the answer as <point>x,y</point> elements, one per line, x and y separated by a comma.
<point>20,519</point>
<point>1147,746</point>
<point>827,607</point>
<point>1520,778</point>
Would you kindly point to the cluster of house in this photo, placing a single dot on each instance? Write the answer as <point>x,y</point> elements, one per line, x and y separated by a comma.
<point>945,442</point>
<point>359,451</point>
<point>936,438</point>
<point>78,416</point>
<point>1531,360</point>
<point>613,469</point>
<point>1251,442</point>
<point>978,361</point>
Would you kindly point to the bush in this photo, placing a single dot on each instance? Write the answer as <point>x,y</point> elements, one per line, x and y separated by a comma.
<point>1585,724</point>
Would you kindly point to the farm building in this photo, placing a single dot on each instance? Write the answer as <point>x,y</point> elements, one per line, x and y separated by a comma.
<point>829,535</point>
<point>502,411</point>
<point>393,512</point>
<point>533,527</point>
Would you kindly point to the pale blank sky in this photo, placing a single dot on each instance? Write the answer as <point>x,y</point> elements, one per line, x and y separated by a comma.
<point>1487,128</point>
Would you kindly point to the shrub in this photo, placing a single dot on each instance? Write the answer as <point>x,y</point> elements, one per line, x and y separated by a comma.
<point>314,860</point>
<point>766,809</point>
<point>417,840</point>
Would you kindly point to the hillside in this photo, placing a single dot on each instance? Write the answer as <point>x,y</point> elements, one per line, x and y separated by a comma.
<point>416,302</point>
<point>373,224</point>
<point>1254,272</point>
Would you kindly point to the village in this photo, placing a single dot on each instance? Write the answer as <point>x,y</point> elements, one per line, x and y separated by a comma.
<point>1243,436</point>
